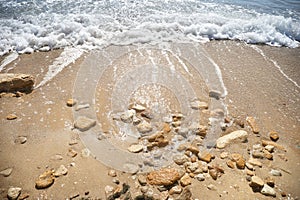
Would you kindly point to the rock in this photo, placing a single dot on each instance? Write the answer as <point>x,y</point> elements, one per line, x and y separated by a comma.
<point>45,180</point>
<point>131,168</point>
<point>138,108</point>
<point>73,142</point>
<point>267,155</point>
<point>183,131</point>
<point>274,136</point>
<point>197,105</point>
<point>164,176</point>
<point>23,196</point>
<point>249,166</point>
<point>239,122</point>
<point>16,82</point>
<point>206,157</point>
<point>254,162</point>
<point>144,127</point>
<point>215,94</point>
<point>116,180</point>
<point>278,146</point>
<point>180,159</point>
<point>217,113</point>
<point>72,153</point>
<point>175,190</point>
<point>191,167</point>
<point>71,102</point>
<point>225,140</point>
<point>112,173</point>
<point>257,154</point>
<point>250,173</point>
<point>270,181</point>
<point>82,106</point>
<point>198,129</point>
<point>147,114</point>
<point>275,172</point>
<point>230,164</point>
<point>127,116</point>
<point>166,128</point>
<point>142,179</point>
<point>212,187</point>
<point>269,148</point>
<point>268,191</point>
<point>6,172</point>
<point>241,163</point>
<point>11,117</point>
<point>193,149</point>
<point>185,195</point>
<point>185,180</point>
<point>200,177</point>
<point>83,123</point>
<point>235,156</point>
<point>56,157</point>
<point>256,182</point>
<point>21,140</point>
<point>213,173</point>
<point>135,148</point>
<point>120,192</point>
<point>136,120</point>
<point>224,155</point>
<point>13,193</point>
<point>252,122</point>
<point>62,170</point>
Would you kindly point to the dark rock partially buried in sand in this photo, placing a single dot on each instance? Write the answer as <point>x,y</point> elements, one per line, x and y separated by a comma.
<point>16,83</point>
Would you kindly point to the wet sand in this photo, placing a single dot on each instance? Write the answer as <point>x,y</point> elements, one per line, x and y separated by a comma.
<point>254,84</point>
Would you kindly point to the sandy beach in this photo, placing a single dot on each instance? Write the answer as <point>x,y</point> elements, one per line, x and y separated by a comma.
<point>241,80</point>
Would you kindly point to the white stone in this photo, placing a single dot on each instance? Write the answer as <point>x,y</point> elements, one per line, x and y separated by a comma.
<point>268,191</point>
<point>144,127</point>
<point>13,193</point>
<point>275,172</point>
<point>138,107</point>
<point>223,141</point>
<point>83,123</point>
<point>135,148</point>
<point>127,116</point>
<point>62,170</point>
<point>200,177</point>
<point>197,105</point>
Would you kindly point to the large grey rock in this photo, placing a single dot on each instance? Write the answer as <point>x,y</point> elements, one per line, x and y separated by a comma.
<point>223,141</point>
<point>16,82</point>
<point>83,123</point>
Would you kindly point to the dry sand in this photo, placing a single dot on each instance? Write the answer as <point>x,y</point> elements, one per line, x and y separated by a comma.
<point>255,85</point>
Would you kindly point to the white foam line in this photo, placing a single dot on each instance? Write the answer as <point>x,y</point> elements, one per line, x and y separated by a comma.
<point>172,67</point>
<point>8,59</point>
<point>275,64</point>
<point>219,74</point>
<point>68,56</point>
<point>182,63</point>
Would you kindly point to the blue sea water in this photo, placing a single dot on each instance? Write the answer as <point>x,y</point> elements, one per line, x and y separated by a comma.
<point>30,25</point>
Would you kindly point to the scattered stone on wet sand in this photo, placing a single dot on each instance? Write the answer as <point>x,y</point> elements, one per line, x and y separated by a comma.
<point>56,157</point>
<point>138,107</point>
<point>45,180</point>
<point>6,172</point>
<point>254,162</point>
<point>135,148</point>
<point>62,170</point>
<point>119,192</point>
<point>230,164</point>
<point>164,176</point>
<point>205,156</point>
<point>275,172</point>
<point>212,187</point>
<point>215,94</point>
<point>224,155</point>
<point>71,102</point>
<point>82,106</point>
<point>268,191</point>
<point>274,136</point>
<point>144,127</point>
<point>83,123</point>
<point>225,140</point>
<point>252,123</point>
<point>185,180</point>
<point>197,105</point>
<point>16,82</point>
<point>21,140</point>
<point>112,173</point>
<point>278,146</point>
<point>256,183</point>
<point>200,177</point>
<point>72,153</point>
<point>127,116</point>
<point>13,193</point>
<point>11,117</point>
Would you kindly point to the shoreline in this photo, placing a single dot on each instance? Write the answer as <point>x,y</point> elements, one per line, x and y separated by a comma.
<point>255,85</point>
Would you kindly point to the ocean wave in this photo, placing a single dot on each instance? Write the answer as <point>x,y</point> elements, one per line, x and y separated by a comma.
<point>123,24</point>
